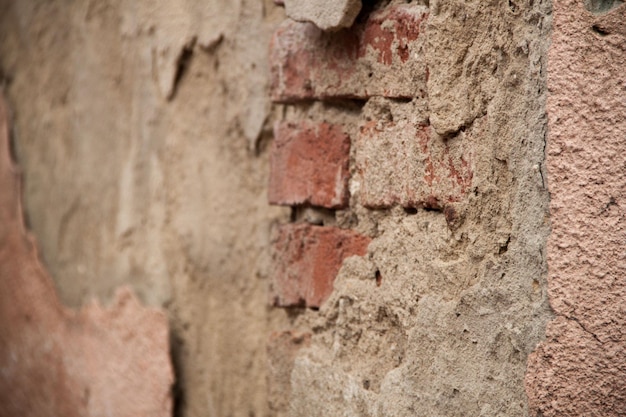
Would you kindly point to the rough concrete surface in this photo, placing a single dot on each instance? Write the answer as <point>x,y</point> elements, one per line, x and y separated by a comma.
<point>581,368</point>
<point>59,362</point>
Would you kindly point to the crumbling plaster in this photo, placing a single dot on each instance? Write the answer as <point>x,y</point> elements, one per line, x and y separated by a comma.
<point>143,128</point>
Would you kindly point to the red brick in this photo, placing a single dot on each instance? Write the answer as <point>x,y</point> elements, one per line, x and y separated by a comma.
<point>307,259</point>
<point>309,165</point>
<point>380,57</point>
<point>399,163</point>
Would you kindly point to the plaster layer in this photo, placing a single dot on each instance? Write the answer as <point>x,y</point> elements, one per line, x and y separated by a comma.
<point>56,361</point>
<point>581,368</point>
<point>145,163</point>
<point>325,14</point>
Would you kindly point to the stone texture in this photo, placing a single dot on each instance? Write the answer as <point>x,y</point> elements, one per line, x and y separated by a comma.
<point>282,349</point>
<point>381,57</point>
<point>309,164</point>
<point>306,261</point>
<point>579,369</point>
<point>55,361</point>
<point>404,163</point>
<point>463,81</point>
<point>325,14</point>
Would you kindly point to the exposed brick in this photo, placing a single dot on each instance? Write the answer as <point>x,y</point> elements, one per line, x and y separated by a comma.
<point>399,163</point>
<point>309,165</point>
<point>307,259</point>
<point>379,57</point>
<point>282,349</point>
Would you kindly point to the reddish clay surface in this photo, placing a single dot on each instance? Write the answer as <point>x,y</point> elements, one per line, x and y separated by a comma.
<point>307,259</point>
<point>412,166</point>
<point>389,33</point>
<point>57,362</point>
<point>379,57</point>
<point>580,370</point>
<point>309,165</point>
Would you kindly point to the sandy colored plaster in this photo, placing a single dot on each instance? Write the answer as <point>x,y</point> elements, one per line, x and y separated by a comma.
<point>124,187</point>
<point>579,369</point>
<point>55,361</point>
<point>325,14</point>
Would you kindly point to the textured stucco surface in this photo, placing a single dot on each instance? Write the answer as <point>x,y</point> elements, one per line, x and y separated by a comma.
<point>581,368</point>
<point>56,361</point>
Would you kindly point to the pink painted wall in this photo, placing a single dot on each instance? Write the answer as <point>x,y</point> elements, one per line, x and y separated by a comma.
<point>55,361</point>
<point>580,370</point>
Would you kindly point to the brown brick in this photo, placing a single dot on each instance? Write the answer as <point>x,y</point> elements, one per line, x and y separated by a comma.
<point>379,57</point>
<point>309,165</point>
<point>399,163</point>
<point>307,259</point>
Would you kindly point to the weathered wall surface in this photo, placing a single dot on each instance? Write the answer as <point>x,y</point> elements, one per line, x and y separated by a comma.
<point>146,169</point>
<point>581,368</point>
<point>56,361</point>
<point>444,106</point>
<point>145,133</point>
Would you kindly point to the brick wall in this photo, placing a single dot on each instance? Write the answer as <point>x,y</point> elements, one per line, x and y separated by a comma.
<point>393,160</point>
<point>375,149</point>
<point>409,148</point>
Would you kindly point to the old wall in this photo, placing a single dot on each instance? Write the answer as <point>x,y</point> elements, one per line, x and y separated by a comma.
<point>444,106</point>
<point>141,130</point>
<point>152,137</point>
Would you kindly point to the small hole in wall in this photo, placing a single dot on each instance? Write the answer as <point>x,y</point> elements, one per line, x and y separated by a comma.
<point>379,278</point>
<point>504,247</point>
<point>536,285</point>
<point>597,29</point>
<point>401,100</point>
<point>410,210</point>
<point>345,103</point>
<point>366,383</point>
<point>294,312</point>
